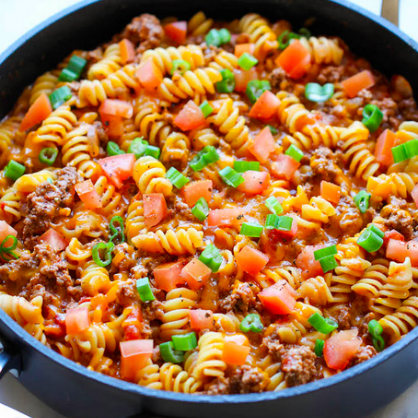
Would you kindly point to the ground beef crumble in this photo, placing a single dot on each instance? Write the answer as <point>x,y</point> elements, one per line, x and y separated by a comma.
<point>241,299</point>
<point>298,364</point>
<point>363,354</point>
<point>247,379</point>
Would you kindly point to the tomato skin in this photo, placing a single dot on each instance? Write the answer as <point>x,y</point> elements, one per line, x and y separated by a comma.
<point>77,320</point>
<point>306,261</point>
<point>278,298</point>
<point>38,112</point>
<point>134,356</point>
<point>252,261</point>
<point>88,194</point>
<point>118,168</point>
<point>196,274</point>
<point>177,31</point>
<point>167,275</point>
<point>263,146</point>
<point>149,75</point>
<point>284,166</point>
<point>201,319</point>
<point>224,217</point>
<point>114,107</point>
<point>354,84</point>
<point>155,209</point>
<point>190,117</point>
<point>384,144</point>
<point>132,333</point>
<point>295,60</point>
<point>392,234</point>
<point>265,107</point>
<point>197,189</point>
<point>255,182</point>
<point>340,349</point>
<point>54,239</point>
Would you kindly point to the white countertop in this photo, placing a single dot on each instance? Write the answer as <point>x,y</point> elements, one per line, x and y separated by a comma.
<point>16,18</point>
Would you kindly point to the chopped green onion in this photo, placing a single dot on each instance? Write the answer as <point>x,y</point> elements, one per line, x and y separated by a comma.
<point>306,33</point>
<point>231,177</point>
<point>319,347</point>
<point>206,156</point>
<point>271,221</point>
<point>227,84</point>
<point>361,199</point>
<point>169,354</point>
<point>377,230</point>
<point>372,117</point>
<point>273,130</point>
<point>317,93</point>
<point>225,36</point>
<point>76,64</point>
<point>294,152</point>
<point>325,252</point>
<point>48,155</point>
<point>14,170</point>
<point>251,229</point>
<point>251,322</point>
<point>411,148</point>
<point>370,241</point>
<point>321,324</point>
<point>328,263</point>
<point>218,37</point>
<point>113,149</point>
<point>117,230</point>
<point>107,249</point>
<point>67,75</point>
<point>10,248</point>
<point>144,290</point>
<point>255,88</point>
<point>59,96</point>
<point>399,153</point>
<point>273,205</point>
<point>284,223</point>
<point>185,342</point>
<point>247,61</point>
<point>376,330</point>
<point>176,178</point>
<point>243,166</point>
<point>201,209</point>
<point>180,66</point>
<point>285,38</point>
<point>206,108</point>
<point>212,257</point>
<point>153,151</point>
<point>138,147</point>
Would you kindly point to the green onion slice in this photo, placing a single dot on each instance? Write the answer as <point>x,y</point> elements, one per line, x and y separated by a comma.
<point>212,257</point>
<point>399,153</point>
<point>251,322</point>
<point>294,152</point>
<point>319,347</point>
<point>144,290</point>
<point>328,263</point>
<point>59,96</point>
<point>376,330</point>
<point>284,223</point>
<point>224,35</point>
<point>180,66</point>
<point>176,178</point>
<point>67,75</point>
<point>411,148</point>
<point>113,149</point>
<point>317,93</point>
<point>8,250</point>
<point>372,117</point>
<point>273,130</point>
<point>106,249</point>
<point>48,155</point>
<point>138,147</point>
<point>361,199</point>
<point>325,252</point>
<point>272,221</point>
<point>243,166</point>
<point>321,324</point>
<point>153,151</point>
<point>218,37</point>
<point>370,241</point>
<point>206,156</point>
<point>285,38</point>
<point>231,177</point>
<point>14,170</point>
<point>76,64</point>
<point>169,354</point>
<point>255,88</point>
<point>305,32</point>
<point>274,205</point>
<point>201,209</point>
<point>251,229</point>
<point>185,342</point>
<point>227,84</point>
<point>117,231</point>
<point>377,230</point>
<point>206,108</point>
<point>247,61</point>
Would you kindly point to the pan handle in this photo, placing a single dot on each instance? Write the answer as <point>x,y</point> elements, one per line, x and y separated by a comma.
<point>10,358</point>
<point>390,11</point>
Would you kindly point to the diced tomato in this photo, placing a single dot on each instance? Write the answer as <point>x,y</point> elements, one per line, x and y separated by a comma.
<point>295,60</point>
<point>306,262</point>
<point>242,78</point>
<point>38,112</point>
<point>284,167</point>
<point>224,217</point>
<point>279,298</point>
<point>77,320</point>
<point>396,250</point>
<point>196,274</point>
<point>5,231</point>
<point>252,261</point>
<point>149,75</point>
<point>393,234</point>
<point>353,85</point>
<point>127,51</point>
<point>255,182</point>
<point>132,332</point>
<point>412,249</point>
<point>384,145</point>
<point>201,319</point>
<point>340,349</point>
<point>330,191</point>
<point>263,146</point>
<point>118,168</point>
<point>155,209</point>
<point>414,195</point>
<point>54,331</point>
<point>54,239</point>
<point>265,107</point>
<point>134,356</point>
<point>190,117</point>
<point>132,325</point>
<point>167,276</point>
<point>234,351</point>
<point>177,31</point>
<point>113,125</point>
<point>113,107</point>
<point>244,48</point>
<point>88,194</point>
<point>196,190</point>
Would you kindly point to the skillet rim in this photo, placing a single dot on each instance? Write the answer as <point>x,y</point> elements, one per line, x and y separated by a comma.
<point>125,386</point>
